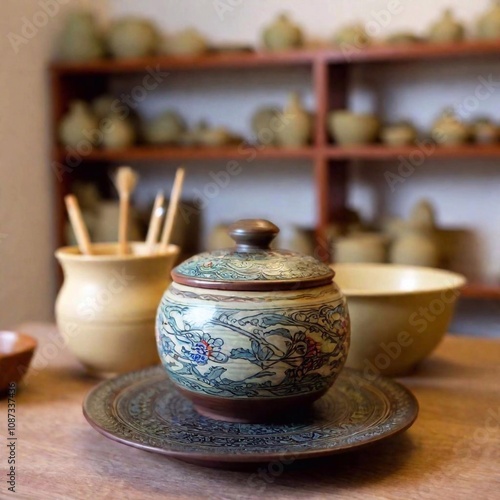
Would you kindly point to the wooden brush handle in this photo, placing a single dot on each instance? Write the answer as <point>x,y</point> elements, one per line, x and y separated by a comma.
<point>78,224</point>
<point>175,196</point>
<point>123,224</point>
<point>155,223</point>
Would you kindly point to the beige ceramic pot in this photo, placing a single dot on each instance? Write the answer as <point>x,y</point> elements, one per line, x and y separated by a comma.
<point>167,128</point>
<point>416,247</point>
<point>282,34</point>
<point>118,133</point>
<point>188,42</point>
<point>351,129</point>
<point>399,314</point>
<point>80,39</point>
<point>106,307</point>
<point>249,333</point>
<point>399,134</point>
<point>132,37</point>
<point>354,36</point>
<point>448,130</point>
<point>447,29</point>
<point>296,127</point>
<point>361,247</point>
<point>78,125</point>
<point>488,26</point>
<point>485,132</point>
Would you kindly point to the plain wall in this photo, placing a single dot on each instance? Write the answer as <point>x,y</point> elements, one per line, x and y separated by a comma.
<point>27,267</point>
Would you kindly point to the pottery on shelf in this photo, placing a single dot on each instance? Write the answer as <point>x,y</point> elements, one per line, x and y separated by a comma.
<point>132,37</point>
<point>103,105</point>
<point>80,40</point>
<point>448,130</point>
<point>188,42</point>
<point>423,215</point>
<point>391,330</point>
<point>488,25</point>
<point>118,133</point>
<point>167,128</point>
<point>282,34</point>
<point>360,247</point>
<point>415,246</point>
<point>446,29</point>
<point>265,124</point>
<point>399,134</point>
<point>349,129</point>
<point>215,137</point>
<point>485,131</point>
<point>402,38</point>
<point>250,333</point>
<point>296,127</point>
<point>354,35</point>
<point>107,305</point>
<point>78,126</point>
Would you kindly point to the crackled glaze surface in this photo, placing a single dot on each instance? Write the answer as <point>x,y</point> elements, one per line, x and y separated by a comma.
<point>253,345</point>
<point>143,410</point>
<point>264,265</point>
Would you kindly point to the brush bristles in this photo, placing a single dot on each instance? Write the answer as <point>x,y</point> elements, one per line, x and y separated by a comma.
<point>126,180</point>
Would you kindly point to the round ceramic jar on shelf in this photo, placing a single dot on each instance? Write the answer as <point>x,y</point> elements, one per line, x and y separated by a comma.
<point>250,333</point>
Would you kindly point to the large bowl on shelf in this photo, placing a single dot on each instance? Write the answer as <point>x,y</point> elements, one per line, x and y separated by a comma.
<point>352,129</point>
<point>399,314</point>
<point>250,333</point>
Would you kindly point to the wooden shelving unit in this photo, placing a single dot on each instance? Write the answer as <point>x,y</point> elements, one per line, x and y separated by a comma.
<point>330,74</point>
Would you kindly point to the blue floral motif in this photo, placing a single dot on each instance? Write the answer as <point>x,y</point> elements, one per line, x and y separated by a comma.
<point>206,348</point>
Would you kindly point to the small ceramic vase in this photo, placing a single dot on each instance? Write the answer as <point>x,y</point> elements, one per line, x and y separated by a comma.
<point>488,26</point>
<point>351,129</point>
<point>448,130</point>
<point>103,105</point>
<point>354,36</point>
<point>485,132</point>
<point>399,134</point>
<point>361,247</point>
<point>117,132</point>
<point>167,128</point>
<point>214,137</point>
<point>78,126</point>
<point>132,37</point>
<point>186,43</point>
<point>296,128</point>
<point>423,216</point>
<point>250,333</point>
<point>106,307</point>
<point>265,124</point>
<point>416,246</point>
<point>447,29</point>
<point>80,39</point>
<point>282,34</point>
<point>402,39</point>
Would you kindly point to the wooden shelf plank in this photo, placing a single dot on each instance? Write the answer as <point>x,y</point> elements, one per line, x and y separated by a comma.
<point>417,51</point>
<point>376,152</point>
<point>481,291</point>
<point>211,60</point>
<point>246,152</point>
<point>375,53</point>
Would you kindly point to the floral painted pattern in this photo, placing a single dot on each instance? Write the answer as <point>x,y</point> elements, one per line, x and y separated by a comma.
<point>249,353</point>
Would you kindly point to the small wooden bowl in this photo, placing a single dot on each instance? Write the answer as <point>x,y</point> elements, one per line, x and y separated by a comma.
<point>16,351</point>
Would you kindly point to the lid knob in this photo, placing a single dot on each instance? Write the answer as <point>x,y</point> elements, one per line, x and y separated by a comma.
<point>253,234</point>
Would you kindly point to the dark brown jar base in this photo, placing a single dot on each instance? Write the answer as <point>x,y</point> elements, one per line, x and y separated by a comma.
<point>253,410</point>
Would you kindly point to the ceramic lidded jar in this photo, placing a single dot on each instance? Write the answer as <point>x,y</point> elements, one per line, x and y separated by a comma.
<point>249,333</point>
<point>282,34</point>
<point>446,29</point>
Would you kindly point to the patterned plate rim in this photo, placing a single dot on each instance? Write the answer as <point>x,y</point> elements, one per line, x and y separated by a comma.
<point>121,383</point>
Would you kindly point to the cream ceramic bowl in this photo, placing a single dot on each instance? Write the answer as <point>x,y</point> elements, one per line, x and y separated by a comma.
<point>106,308</point>
<point>351,129</point>
<point>399,314</point>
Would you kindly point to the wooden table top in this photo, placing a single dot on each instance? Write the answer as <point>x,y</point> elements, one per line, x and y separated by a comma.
<point>452,450</point>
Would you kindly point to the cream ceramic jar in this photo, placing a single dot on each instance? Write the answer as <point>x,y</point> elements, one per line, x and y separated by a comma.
<point>249,333</point>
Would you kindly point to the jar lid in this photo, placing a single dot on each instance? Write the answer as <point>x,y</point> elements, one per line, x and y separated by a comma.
<point>252,265</point>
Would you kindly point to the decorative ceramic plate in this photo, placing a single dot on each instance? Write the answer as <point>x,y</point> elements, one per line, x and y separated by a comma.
<point>142,409</point>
